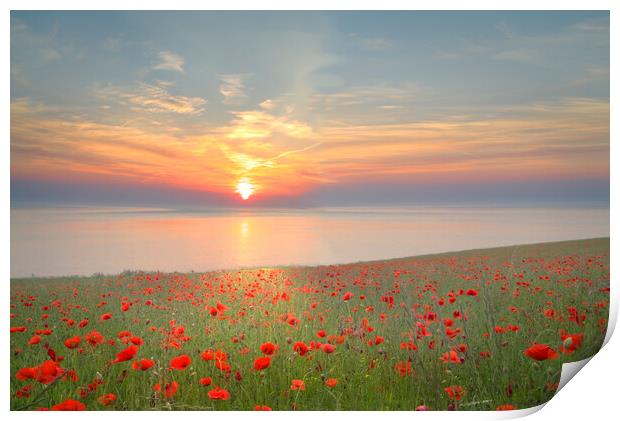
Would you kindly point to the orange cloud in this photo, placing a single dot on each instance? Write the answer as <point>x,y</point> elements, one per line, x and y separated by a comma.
<point>282,155</point>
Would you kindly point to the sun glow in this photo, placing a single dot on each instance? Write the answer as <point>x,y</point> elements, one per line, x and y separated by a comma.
<point>245,189</point>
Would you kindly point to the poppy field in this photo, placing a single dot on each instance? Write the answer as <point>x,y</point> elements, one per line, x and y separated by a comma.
<point>476,330</point>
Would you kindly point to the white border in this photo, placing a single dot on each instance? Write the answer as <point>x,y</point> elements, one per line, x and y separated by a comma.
<point>593,391</point>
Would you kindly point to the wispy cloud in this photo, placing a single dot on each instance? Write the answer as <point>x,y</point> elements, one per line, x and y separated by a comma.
<point>248,162</point>
<point>558,138</point>
<point>267,104</point>
<point>261,124</point>
<point>378,95</point>
<point>45,141</point>
<point>153,98</point>
<point>169,61</point>
<point>232,88</point>
<point>568,138</point>
<point>44,46</point>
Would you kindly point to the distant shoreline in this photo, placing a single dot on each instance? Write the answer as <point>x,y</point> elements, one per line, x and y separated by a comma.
<point>455,253</point>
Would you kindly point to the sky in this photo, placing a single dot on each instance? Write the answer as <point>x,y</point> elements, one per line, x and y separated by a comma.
<point>297,109</point>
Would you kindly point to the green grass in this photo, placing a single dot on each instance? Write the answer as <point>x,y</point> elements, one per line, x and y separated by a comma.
<point>578,277</point>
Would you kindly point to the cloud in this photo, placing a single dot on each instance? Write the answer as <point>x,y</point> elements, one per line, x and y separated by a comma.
<point>261,124</point>
<point>283,155</point>
<point>153,98</point>
<point>248,162</point>
<point>44,46</point>
<point>169,61</point>
<point>567,138</point>
<point>390,107</point>
<point>232,88</point>
<point>47,144</point>
<point>378,95</point>
<point>267,104</point>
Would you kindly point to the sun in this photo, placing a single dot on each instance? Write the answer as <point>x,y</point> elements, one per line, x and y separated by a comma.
<point>245,189</point>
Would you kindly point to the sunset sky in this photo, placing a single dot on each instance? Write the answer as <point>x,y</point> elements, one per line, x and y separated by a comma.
<point>309,109</point>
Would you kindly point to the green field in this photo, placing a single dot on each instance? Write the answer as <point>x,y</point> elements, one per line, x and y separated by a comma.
<point>384,335</point>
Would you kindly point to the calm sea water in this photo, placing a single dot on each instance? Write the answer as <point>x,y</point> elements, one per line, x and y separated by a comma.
<point>55,242</point>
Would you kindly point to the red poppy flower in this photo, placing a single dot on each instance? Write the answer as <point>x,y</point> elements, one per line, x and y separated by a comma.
<point>69,405</point>
<point>34,340</point>
<point>221,363</point>
<point>144,364</point>
<point>328,348</point>
<point>261,363</point>
<point>268,348</point>
<point>27,373</point>
<point>218,394</point>
<point>262,408</point>
<point>181,362</point>
<point>403,368</point>
<point>106,399</point>
<point>208,355</point>
<point>205,381</point>
<point>451,357</point>
<point>301,348</point>
<point>452,333</point>
<point>540,352</point>
<point>331,382</point>
<point>94,338</point>
<point>170,389</point>
<point>73,342</point>
<point>48,371</point>
<point>221,307</point>
<point>126,354</point>
<point>298,385</point>
<point>455,392</point>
